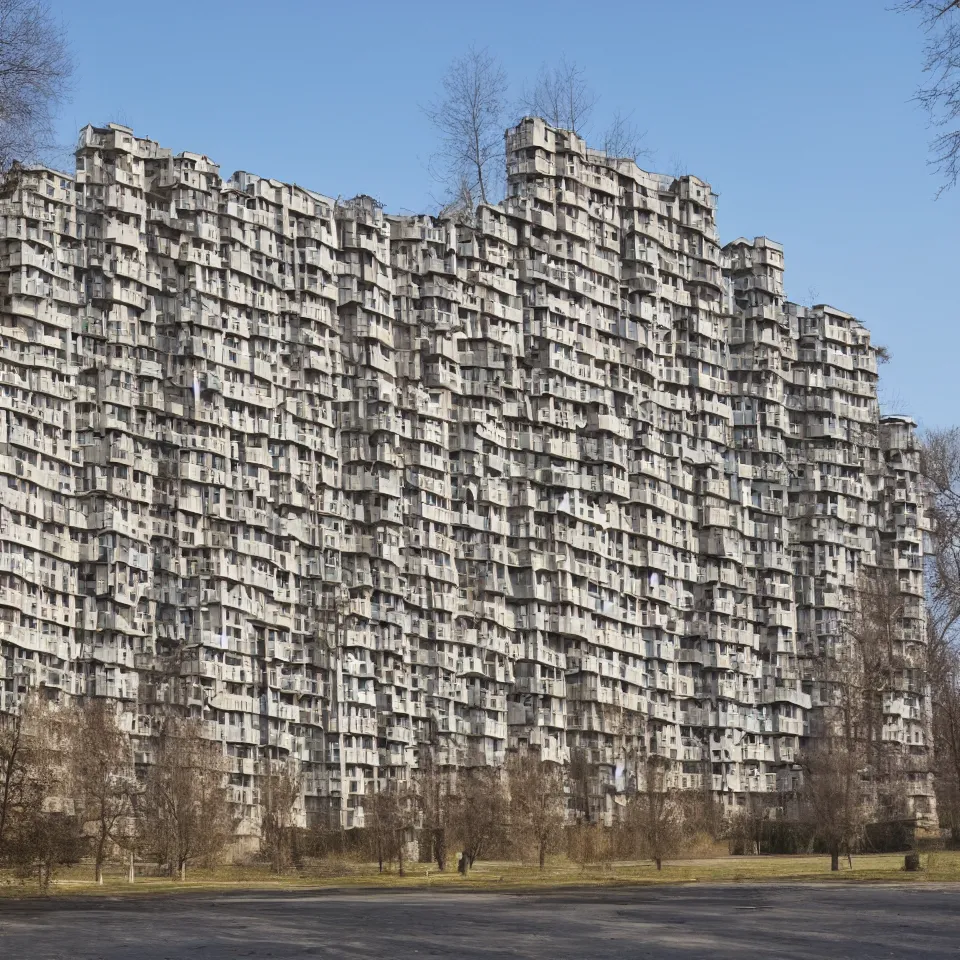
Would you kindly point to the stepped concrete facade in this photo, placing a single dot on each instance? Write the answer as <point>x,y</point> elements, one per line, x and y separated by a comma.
<point>564,475</point>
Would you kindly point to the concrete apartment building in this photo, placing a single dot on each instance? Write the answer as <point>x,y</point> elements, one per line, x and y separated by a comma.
<point>359,490</point>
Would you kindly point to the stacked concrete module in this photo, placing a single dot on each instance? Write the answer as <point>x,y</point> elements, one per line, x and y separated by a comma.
<point>763,350</point>
<point>906,709</point>
<point>41,611</point>
<point>365,493</point>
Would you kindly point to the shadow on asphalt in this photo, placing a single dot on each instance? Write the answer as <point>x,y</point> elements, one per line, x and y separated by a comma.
<point>793,922</point>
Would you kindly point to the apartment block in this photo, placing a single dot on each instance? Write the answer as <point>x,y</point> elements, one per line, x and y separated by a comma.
<point>363,492</point>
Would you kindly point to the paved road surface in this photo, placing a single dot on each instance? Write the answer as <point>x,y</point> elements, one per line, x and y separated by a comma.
<point>694,923</point>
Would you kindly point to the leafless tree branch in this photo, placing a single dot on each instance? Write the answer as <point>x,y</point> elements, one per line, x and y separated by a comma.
<point>184,810</point>
<point>562,96</point>
<point>35,69</point>
<point>537,813</point>
<point>624,140</point>
<point>102,778</point>
<point>469,118</point>
<point>940,466</point>
<point>940,96</point>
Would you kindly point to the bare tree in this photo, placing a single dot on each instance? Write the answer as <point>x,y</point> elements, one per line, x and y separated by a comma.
<point>940,465</point>
<point>185,811</point>
<point>35,68</point>
<point>581,777</point>
<point>877,662</point>
<point>40,830</point>
<point>382,826</point>
<point>833,795</point>
<point>436,802</point>
<point>678,166</point>
<point>479,813</point>
<point>280,789</point>
<point>102,777</point>
<point>590,843</point>
<point>746,824</point>
<point>849,675</point>
<point>389,820</point>
<point>940,96</point>
<point>654,814</point>
<point>946,738</point>
<point>537,804</point>
<point>14,769</point>
<point>852,771</point>
<point>49,836</point>
<point>469,117</point>
<point>562,96</point>
<point>624,140</point>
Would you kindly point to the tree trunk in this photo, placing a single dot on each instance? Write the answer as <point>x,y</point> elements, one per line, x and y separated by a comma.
<point>131,870</point>
<point>400,856</point>
<point>462,865</point>
<point>659,863</point>
<point>183,870</point>
<point>440,849</point>
<point>8,775</point>
<point>543,855</point>
<point>835,859</point>
<point>100,854</point>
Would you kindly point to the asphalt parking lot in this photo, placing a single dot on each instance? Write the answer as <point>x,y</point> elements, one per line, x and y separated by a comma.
<point>745,922</point>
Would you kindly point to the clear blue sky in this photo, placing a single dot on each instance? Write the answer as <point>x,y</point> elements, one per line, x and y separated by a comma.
<point>797,112</point>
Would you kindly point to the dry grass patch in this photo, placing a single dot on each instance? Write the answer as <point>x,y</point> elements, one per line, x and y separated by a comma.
<point>943,866</point>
